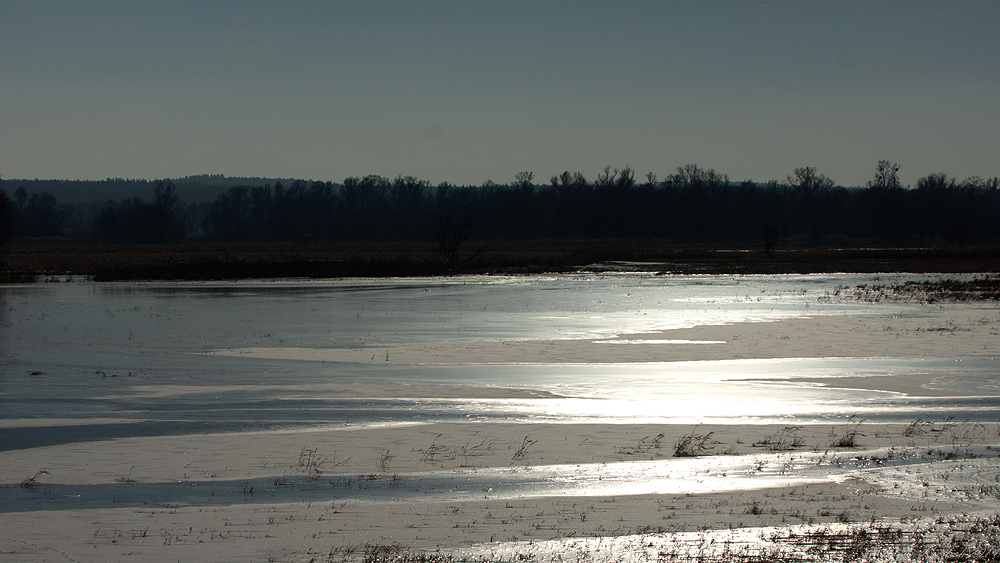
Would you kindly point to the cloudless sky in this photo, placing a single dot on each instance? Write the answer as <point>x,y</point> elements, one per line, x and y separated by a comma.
<point>467,91</point>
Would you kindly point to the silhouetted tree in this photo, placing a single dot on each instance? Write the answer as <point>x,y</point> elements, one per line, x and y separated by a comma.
<point>523,180</point>
<point>886,177</point>
<point>518,206</point>
<point>808,180</point>
<point>135,221</point>
<point>886,210</point>
<point>613,195</point>
<point>16,219</point>
<point>690,176</point>
<point>317,209</point>
<point>697,201</point>
<point>450,234</point>
<point>693,206</point>
<point>21,197</point>
<point>300,212</point>
<point>43,217</point>
<point>810,190</point>
<point>109,225</point>
<point>230,218</point>
<point>7,211</point>
<point>166,222</point>
<point>6,220</point>
<point>964,208</point>
<point>457,213</point>
<point>645,211</point>
<point>572,203</point>
<point>406,200</point>
<point>932,202</point>
<point>935,183</point>
<point>771,235</point>
<point>363,203</point>
<point>774,204</point>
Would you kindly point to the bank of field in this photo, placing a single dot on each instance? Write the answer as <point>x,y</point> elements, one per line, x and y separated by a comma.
<point>29,261</point>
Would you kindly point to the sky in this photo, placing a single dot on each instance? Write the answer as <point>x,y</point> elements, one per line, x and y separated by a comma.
<point>470,91</point>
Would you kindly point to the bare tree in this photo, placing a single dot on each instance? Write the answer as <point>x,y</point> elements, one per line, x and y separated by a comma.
<point>771,236</point>
<point>886,177</point>
<point>451,234</point>
<point>886,193</point>
<point>607,178</point>
<point>524,178</point>
<point>809,180</point>
<point>5,218</point>
<point>164,215</point>
<point>809,187</point>
<point>21,196</point>
<point>691,176</point>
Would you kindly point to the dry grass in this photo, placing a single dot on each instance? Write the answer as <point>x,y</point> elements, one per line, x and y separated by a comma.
<point>32,482</point>
<point>694,444</point>
<point>956,539</point>
<point>848,438</point>
<point>783,440</point>
<point>204,260</point>
<point>980,288</point>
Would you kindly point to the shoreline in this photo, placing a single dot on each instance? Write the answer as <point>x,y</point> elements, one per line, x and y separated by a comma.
<point>204,260</point>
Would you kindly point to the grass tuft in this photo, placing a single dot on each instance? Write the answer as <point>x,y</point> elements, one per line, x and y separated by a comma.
<point>32,481</point>
<point>694,444</point>
<point>849,438</point>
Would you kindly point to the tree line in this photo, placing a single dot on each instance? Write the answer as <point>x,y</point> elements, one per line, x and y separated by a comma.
<point>692,206</point>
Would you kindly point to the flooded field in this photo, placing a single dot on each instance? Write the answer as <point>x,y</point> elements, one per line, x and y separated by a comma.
<point>242,356</point>
<point>413,395</point>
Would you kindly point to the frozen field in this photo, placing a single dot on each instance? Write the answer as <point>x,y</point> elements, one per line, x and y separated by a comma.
<point>296,420</point>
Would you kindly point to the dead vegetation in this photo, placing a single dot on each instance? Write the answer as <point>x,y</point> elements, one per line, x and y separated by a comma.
<point>949,539</point>
<point>312,464</point>
<point>694,444</point>
<point>32,482</point>
<point>785,439</point>
<point>848,437</point>
<point>475,446</point>
<point>979,288</point>
<point>645,445</point>
<point>522,449</point>
<point>28,261</point>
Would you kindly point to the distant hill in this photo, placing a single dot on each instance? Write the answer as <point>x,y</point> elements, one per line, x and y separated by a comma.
<point>190,189</point>
<point>222,181</point>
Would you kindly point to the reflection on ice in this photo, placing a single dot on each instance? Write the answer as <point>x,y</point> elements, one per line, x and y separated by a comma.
<point>314,394</point>
<point>113,391</point>
<point>660,477</point>
<point>663,341</point>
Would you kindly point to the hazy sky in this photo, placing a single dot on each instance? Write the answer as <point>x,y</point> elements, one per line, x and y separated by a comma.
<point>467,91</point>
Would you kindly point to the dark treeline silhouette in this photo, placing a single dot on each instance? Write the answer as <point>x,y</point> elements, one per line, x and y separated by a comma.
<point>6,214</point>
<point>193,189</point>
<point>134,220</point>
<point>692,206</point>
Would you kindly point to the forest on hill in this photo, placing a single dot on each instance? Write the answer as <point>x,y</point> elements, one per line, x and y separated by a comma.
<point>691,207</point>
